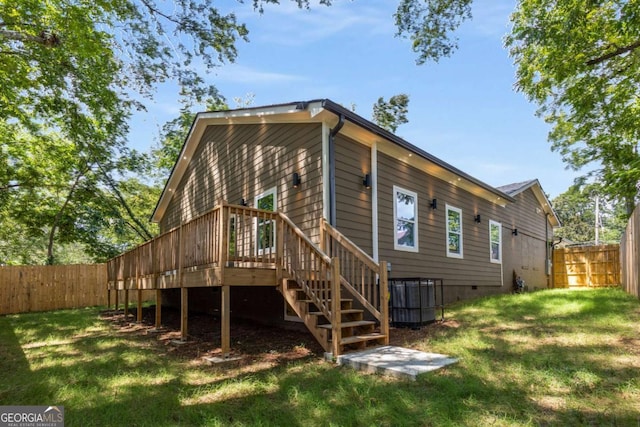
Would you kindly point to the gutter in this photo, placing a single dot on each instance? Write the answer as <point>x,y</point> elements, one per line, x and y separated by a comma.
<point>377,130</point>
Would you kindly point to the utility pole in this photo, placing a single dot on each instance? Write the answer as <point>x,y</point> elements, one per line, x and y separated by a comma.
<point>597,220</point>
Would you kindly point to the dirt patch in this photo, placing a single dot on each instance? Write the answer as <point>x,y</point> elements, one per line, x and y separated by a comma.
<point>252,341</point>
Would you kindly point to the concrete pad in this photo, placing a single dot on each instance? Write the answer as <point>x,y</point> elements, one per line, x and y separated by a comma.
<point>220,360</point>
<point>395,361</point>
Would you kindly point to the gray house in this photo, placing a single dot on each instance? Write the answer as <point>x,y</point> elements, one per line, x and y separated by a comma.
<point>340,188</point>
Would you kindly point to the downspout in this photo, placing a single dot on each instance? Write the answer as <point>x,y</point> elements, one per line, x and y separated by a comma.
<point>546,250</point>
<point>332,170</point>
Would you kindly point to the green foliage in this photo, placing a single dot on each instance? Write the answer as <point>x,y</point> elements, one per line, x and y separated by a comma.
<point>576,210</point>
<point>71,72</point>
<point>430,24</point>
<point>56,199</point>
<point>578,60</point>
<point>391,114</point>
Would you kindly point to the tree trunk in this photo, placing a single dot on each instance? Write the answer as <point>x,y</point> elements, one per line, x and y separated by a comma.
<point>54,226</point>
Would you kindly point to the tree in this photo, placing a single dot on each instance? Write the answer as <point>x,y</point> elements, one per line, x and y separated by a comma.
<point>71,73</point>
<point>576,210</point>
<point>430,25</point>
<point>577,60</point>
<point>56,197</point>
<point>391,114</point>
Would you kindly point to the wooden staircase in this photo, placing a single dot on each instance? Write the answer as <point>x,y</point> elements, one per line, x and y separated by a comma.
<point>355,331</point>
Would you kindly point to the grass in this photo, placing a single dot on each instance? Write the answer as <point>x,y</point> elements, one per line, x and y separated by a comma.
<point>544,358</point>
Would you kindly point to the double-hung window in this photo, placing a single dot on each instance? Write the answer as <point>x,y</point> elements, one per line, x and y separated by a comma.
<point>265,228</point>
<point>454,232</point>
<point>405,219</point>
<point>495,242</point>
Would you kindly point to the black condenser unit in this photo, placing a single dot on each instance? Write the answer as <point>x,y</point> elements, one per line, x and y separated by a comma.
<point>413,301</point>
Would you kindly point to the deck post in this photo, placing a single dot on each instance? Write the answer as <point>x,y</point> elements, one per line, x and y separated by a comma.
<point>158,308</point>
<point>384,301</point>
<point>225,321</point>
<point>139,308</point>
<point>184,313</point>
<point>117,298</point>
<point>184,292</point>
<point>108,298</point>
<point>126,303</point>
<point>139,301</point>
<point>336,315</point>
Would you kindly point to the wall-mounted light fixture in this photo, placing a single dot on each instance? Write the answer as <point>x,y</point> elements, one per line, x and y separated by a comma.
<point>514,231</point>
<point>366,181</point>
<point>296,180</point>
<point>477,218</point>
<point>434,204</point>
<point>243,202</point>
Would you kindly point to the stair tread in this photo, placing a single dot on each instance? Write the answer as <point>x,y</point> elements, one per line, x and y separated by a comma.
<point>328,301</point>
<point>350,324</point>
<point>347,311</point>
<point>360,338</point>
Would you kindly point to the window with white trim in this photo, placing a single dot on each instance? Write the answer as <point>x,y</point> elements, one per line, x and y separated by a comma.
<point>405,219</point>
<point>454,232</point>
<point>265,228</point>
<point>495,242</point>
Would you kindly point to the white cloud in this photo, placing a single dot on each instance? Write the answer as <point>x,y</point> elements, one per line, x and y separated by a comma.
<point>235,73</point>
<point>288,25</point>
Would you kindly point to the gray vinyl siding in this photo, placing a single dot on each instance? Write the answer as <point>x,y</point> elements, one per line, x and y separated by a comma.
<point>353,200</point>
<point>233,162</point>
<point>431,260</point>
<point>526,252</point>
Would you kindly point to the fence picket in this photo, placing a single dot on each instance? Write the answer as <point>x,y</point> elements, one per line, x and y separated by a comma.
<point>43,288</point>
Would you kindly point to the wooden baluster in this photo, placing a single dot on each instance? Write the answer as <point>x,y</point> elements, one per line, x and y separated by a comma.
<point>336,321</point>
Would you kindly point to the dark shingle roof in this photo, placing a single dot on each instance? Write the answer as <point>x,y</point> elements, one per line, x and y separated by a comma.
<point>517,187</point>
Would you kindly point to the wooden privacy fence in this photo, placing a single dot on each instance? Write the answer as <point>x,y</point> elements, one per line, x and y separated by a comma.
<point>41,288</point>
<point>630,255</point>
<point>586,266</point>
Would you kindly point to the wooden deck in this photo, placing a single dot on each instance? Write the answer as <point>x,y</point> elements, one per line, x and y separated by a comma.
<point>240,246</point>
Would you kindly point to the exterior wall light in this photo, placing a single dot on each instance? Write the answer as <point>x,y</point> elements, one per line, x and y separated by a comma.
<point>477,218</point>
<point>296,180</point>
<point>366,181</point>
<point>514,232</point>
<point>434,204</point>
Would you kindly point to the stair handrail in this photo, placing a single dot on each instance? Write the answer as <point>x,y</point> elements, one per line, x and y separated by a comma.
<point>317,284</point>
<point>379,308</point>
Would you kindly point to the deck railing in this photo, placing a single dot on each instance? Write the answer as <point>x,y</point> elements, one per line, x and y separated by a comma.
<point>238,236</point>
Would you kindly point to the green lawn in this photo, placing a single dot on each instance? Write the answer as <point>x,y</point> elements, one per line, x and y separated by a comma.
<point>545,358</point>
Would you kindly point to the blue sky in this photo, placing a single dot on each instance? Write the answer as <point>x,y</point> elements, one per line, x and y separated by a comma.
<point>463,109</point>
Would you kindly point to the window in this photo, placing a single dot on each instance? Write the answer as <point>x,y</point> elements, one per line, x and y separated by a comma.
<point>454,232</point>
<point>495,242</point>
<point>405,220</point>
<point>265,228</point>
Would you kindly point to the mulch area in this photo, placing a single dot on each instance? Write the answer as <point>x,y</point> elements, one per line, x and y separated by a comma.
<point>251,341</point>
